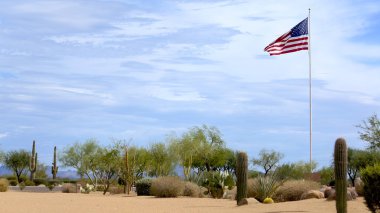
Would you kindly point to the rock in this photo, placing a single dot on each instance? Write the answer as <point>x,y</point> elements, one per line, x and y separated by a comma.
<point>359,185</point>
<point>328,192</point>
<point>252,201</point>
<point>312,194</point>
<point>351,195</point>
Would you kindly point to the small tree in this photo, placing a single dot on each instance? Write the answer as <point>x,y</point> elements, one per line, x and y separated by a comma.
<point>268,160</point>
<point>359,159</point>
<point>370,132</point>
<point>18,162</point>
<point>108,166</point>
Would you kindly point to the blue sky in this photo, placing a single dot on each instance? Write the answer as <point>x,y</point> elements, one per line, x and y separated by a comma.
<point>72,70</point>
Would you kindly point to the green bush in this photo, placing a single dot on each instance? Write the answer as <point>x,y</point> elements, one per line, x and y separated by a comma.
<point>214,182</point>
<point>4,183</point>
<point>29,183</point>
<point>11,178</point>
<point>13,182</point>
<point>39,181</point>
<point>371,180</point>
<point>167,187</point>
<point>292,190</point>
<point>192,190</point>
<point>21,185</point>
<point>143,186</point>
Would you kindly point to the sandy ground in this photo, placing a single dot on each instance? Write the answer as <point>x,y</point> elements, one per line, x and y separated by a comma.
<point>19,202</point>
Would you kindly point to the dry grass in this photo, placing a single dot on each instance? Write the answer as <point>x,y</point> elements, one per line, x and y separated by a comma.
<point>250,184</point>
<point>167,187</point>
<point>293,190</point>
<point>69,188</point>
<point>192,190</point>
<point>4,183</point>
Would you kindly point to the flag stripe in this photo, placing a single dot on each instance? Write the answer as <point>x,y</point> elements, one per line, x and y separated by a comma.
<point>294,40</point>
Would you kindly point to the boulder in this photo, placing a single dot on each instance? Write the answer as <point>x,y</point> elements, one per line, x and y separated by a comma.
<point>351,194</point>
<point>312,194</point>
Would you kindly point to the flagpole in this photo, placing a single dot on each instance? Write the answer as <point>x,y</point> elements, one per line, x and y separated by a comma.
<point>310,100</point>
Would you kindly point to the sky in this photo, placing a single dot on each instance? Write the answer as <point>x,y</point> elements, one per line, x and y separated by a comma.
<point>72,70</point>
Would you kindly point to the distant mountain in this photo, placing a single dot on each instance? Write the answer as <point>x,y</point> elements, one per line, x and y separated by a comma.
<point>70,174</point>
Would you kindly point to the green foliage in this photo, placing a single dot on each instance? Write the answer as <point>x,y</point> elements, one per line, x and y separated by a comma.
<point>169,186</point>
<point>211,154</point>
<point>215,182</point>
<point>295,171</point>
<point>143,186</point>
<point>18,162</point>
<point>161,163</point>
<point>241,176</point>
<point>327,175</point>
<point>107,163</point>
<point>39,181</point>
<point>4,183</point>
<point>292,190</point>
<point>29,183</point>
<point>21,186</point>
<point>268,160</point>
<point>340,171</point>
<point>82,157</point>
<point>371,179</point>
<point>370,132</point>
<point>266,186</point>
<point>359,159</point>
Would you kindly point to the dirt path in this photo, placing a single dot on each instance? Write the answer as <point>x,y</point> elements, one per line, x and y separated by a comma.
<point>20,202</point>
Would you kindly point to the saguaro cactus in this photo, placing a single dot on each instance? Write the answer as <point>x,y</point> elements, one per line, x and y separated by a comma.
<point>241,178</point>
<point>54,168</point>
<point>340,169</point>
<point>126,184</point>
<point>33,162</point>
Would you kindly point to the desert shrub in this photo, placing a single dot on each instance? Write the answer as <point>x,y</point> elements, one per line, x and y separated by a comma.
<point>9,178</point>
<point>23,178</point>
<point>39,181</point>
<point>4,183</point>
<point>116,190</point>
<point>192,190</point>
<point>69,188</point>
<point>67,180</point>
<point>371,180</point>
<point>167,187</point>
<point>13,182</point>
<point>265,187</point>
<point>143,186</point>
<point>250,184</point>
<point>29,183</point>
<point>215,182</point>
<point>100,188</point>
<point>293,190</point>
<point>21,185</point>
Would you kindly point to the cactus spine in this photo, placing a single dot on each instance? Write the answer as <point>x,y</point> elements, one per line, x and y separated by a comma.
<point>241,178</point>
<point>33,162</point>
<point>340,169</point>
<point>54,168</point>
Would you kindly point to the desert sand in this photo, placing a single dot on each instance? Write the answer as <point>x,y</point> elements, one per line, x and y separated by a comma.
<point>19,202</point>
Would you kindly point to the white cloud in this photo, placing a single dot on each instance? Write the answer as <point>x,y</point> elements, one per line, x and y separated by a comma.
<point>3,135</point>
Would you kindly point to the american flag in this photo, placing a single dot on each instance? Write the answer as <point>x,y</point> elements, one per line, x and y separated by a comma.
<point>294,40</point>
